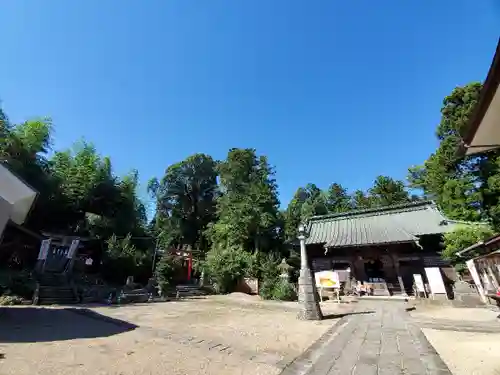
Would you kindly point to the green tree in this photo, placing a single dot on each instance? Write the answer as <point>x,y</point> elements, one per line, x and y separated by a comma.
<point>248,215</point>
<point>166,271</point>
<point>361,200</point>
<point>338,199</point>
<point>387,192</point>
<point>453,181</point>
<point>462,238</point>
<point>315,202</point>
<point>95,201</point>
<point>293,214</point>
<point>185,201</point>
<point>225,266</point>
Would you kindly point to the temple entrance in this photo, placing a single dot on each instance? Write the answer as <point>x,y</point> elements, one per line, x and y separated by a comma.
<point>374,269</point>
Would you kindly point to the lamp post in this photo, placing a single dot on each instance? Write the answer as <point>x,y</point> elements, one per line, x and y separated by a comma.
<point>308,296</point>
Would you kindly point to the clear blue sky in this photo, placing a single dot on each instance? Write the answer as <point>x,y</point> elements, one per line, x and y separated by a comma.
<point>330,91</point>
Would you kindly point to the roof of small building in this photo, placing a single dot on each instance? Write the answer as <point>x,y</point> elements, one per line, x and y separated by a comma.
<point>377,226</point>
<point>487,94</point>
<point>490,244</point>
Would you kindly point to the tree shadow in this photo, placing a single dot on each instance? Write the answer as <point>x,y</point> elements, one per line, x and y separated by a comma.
<point>38,324</point>
<point>338,316</point>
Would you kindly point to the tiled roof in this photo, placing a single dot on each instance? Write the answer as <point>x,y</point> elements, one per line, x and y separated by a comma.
<point>394,224</point>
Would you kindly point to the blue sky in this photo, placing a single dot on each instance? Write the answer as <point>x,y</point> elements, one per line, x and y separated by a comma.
<point>330,91</point>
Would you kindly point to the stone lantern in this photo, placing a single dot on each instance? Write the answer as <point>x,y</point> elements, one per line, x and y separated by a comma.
<point>284,268</point>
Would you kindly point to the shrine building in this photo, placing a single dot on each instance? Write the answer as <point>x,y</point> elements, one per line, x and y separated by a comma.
<point>383,245</point>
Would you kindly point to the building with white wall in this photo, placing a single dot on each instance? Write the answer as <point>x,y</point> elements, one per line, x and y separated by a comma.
<point>16,198</point>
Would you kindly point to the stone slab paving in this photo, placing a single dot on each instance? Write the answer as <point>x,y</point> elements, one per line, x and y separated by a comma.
<point>379,338</point>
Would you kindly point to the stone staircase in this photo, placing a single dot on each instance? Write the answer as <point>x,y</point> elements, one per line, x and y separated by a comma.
<point>54,288</point>
<point>396,288</point>
<point>190,290</point>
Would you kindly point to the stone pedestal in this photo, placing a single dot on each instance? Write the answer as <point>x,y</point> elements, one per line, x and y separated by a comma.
<point>308,297</point>
<point>465,295</point>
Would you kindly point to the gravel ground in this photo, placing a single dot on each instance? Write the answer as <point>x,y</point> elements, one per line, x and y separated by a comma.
<point>217,335</point>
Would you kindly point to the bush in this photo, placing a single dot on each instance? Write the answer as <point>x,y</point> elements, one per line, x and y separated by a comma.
<point>22,286</point>
<point>166,270</point>
<point>266,289</point>
<point>283,291</point>
<point>273,287</point>
<point>225,267</point>
<point>123,259</point>
<point>269,268</point>
<point>10,300</point>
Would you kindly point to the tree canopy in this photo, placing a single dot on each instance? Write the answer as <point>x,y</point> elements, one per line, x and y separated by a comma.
<point>233,203</point>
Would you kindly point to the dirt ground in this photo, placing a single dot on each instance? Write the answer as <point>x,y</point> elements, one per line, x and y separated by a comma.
<point>217,335</point>
<point>458,314</point>
<point>235,334</point>
<point>465,353</point>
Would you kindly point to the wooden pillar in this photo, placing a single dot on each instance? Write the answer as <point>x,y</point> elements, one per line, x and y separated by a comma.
<point>190,265</point>
<point>491,273</point>
<point>359,267</point>
<point>395,260</point>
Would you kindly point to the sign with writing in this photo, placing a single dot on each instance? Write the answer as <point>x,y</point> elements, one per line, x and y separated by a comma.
<point>327,279</point>
<point>419,283</point>
<point>435,279</point>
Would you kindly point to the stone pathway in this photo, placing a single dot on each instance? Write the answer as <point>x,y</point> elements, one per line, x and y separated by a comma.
<point>379,338</point>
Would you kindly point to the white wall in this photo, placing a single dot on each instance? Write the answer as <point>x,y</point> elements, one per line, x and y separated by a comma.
<point>19,195</point>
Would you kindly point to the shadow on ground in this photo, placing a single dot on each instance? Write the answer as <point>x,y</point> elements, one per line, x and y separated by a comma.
<point>338,316</point>
<point>32,324</point>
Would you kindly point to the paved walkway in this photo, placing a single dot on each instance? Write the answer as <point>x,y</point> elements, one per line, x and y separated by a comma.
<point>379,338</point>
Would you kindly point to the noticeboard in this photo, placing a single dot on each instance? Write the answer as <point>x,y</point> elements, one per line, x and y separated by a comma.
<point>419,283</point>
<point>327,279</point>
<point>435,278</point>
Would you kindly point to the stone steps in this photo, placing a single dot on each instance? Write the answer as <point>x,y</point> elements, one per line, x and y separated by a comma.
<point>49,295</point>
<point>53,288</point>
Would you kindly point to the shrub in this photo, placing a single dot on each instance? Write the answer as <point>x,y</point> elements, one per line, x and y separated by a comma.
<point>22,286</point>
<point>166,269</point>
<point>283,291</point>
<point>123,259</point>
<point>6,300</point>
<point>266,289</point>
<point>269,268</point>
<point>273,286</point>
<point>225,266</point>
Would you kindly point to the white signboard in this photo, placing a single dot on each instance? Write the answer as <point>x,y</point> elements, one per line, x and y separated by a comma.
<point>419,283</point>
<point>435,278</point>
<point>72,248</point>
<point>327,279</point>
<point>44,249</point>
<point>343,275</point>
